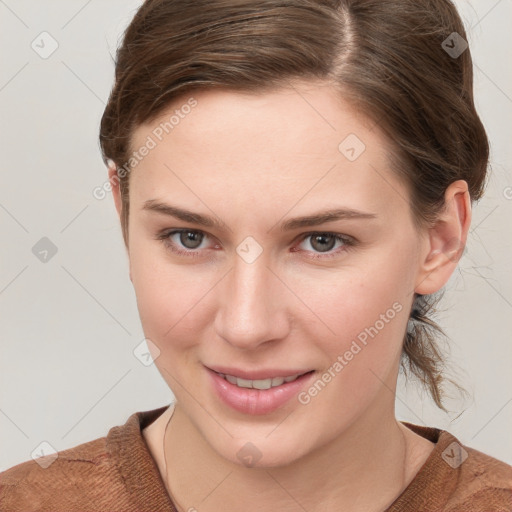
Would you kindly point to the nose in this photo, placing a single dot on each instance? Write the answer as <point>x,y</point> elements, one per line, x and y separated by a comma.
<point>252,307</point>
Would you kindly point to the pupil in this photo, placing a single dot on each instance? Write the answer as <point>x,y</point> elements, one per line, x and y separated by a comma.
<point>322,239</point>
<point>190,236</point>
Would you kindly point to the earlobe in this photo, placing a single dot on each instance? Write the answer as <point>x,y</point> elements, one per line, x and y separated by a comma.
<point>446,240</point>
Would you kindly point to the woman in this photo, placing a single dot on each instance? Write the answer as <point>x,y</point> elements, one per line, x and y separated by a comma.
<point>294,182</point>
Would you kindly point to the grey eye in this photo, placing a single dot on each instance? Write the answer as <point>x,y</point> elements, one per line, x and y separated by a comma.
<point>191,239</point>
<point>322,242</point>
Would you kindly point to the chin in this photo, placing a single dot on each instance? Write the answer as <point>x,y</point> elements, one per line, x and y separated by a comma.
<point>262,453</point>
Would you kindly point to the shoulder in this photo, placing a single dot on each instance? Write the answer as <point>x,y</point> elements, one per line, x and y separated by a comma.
<point>456,478</point>
<point>103,474</point>
<point>57,479</point>
<point>484,482</point>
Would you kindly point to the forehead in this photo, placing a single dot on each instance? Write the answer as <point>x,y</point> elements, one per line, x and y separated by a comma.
<point>284,141</point>
<point>310,110</point>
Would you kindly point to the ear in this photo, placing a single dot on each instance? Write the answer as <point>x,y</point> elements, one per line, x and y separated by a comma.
<point>114,180</point>
<point>446,240</point>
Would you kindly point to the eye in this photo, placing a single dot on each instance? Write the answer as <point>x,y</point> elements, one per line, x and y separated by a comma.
<point>323,243</point>
<point>190,239</point>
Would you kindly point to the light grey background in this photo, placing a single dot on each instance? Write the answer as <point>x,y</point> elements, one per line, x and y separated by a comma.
<point>69,326</point>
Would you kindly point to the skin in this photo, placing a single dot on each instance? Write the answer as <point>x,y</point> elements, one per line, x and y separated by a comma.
<point>253,161</point>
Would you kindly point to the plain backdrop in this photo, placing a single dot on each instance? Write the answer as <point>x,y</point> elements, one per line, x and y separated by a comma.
<point>69,325</point>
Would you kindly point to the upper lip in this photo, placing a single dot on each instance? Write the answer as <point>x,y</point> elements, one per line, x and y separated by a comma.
<point>258,374</point>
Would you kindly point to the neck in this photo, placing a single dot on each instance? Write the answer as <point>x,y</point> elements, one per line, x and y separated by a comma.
<point>370,454</point>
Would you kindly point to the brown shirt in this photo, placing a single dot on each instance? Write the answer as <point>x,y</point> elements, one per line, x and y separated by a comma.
<point>118,473</point>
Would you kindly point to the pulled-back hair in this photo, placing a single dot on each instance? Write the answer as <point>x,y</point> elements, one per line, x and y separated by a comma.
<point>390,59</point>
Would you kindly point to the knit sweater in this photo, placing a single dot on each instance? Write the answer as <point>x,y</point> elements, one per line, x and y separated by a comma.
<point>118,473</point>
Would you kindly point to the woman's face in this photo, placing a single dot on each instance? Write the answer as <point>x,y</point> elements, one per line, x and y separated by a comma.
<point>251,290</point>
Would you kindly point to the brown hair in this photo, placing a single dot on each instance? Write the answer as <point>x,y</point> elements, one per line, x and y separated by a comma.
<point>389,58</point>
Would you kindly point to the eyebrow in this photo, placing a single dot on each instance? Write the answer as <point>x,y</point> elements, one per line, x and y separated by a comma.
<point>299,222</point>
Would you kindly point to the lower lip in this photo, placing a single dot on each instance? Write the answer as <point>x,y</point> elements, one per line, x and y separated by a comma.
<point>257,401</point>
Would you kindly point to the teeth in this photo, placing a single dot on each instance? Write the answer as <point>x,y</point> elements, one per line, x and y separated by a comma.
<point>259,384</point>
<point>277,381</point>
<point>230,378</point>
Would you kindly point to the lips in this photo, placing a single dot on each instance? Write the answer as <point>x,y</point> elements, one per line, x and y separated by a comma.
<point>246,397</point>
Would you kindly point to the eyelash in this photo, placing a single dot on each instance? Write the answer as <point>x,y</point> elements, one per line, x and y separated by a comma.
<point>348,242</point>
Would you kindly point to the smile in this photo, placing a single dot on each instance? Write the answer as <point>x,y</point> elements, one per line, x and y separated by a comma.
<point>258,396</point>
<point>260,383</point>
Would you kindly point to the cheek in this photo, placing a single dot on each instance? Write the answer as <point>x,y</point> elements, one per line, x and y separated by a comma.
<point>369,318</point>
<point>362,310</point>
<point>170,297</point>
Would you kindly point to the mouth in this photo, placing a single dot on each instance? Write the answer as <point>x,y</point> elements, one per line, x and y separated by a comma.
<point>266,392</point>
